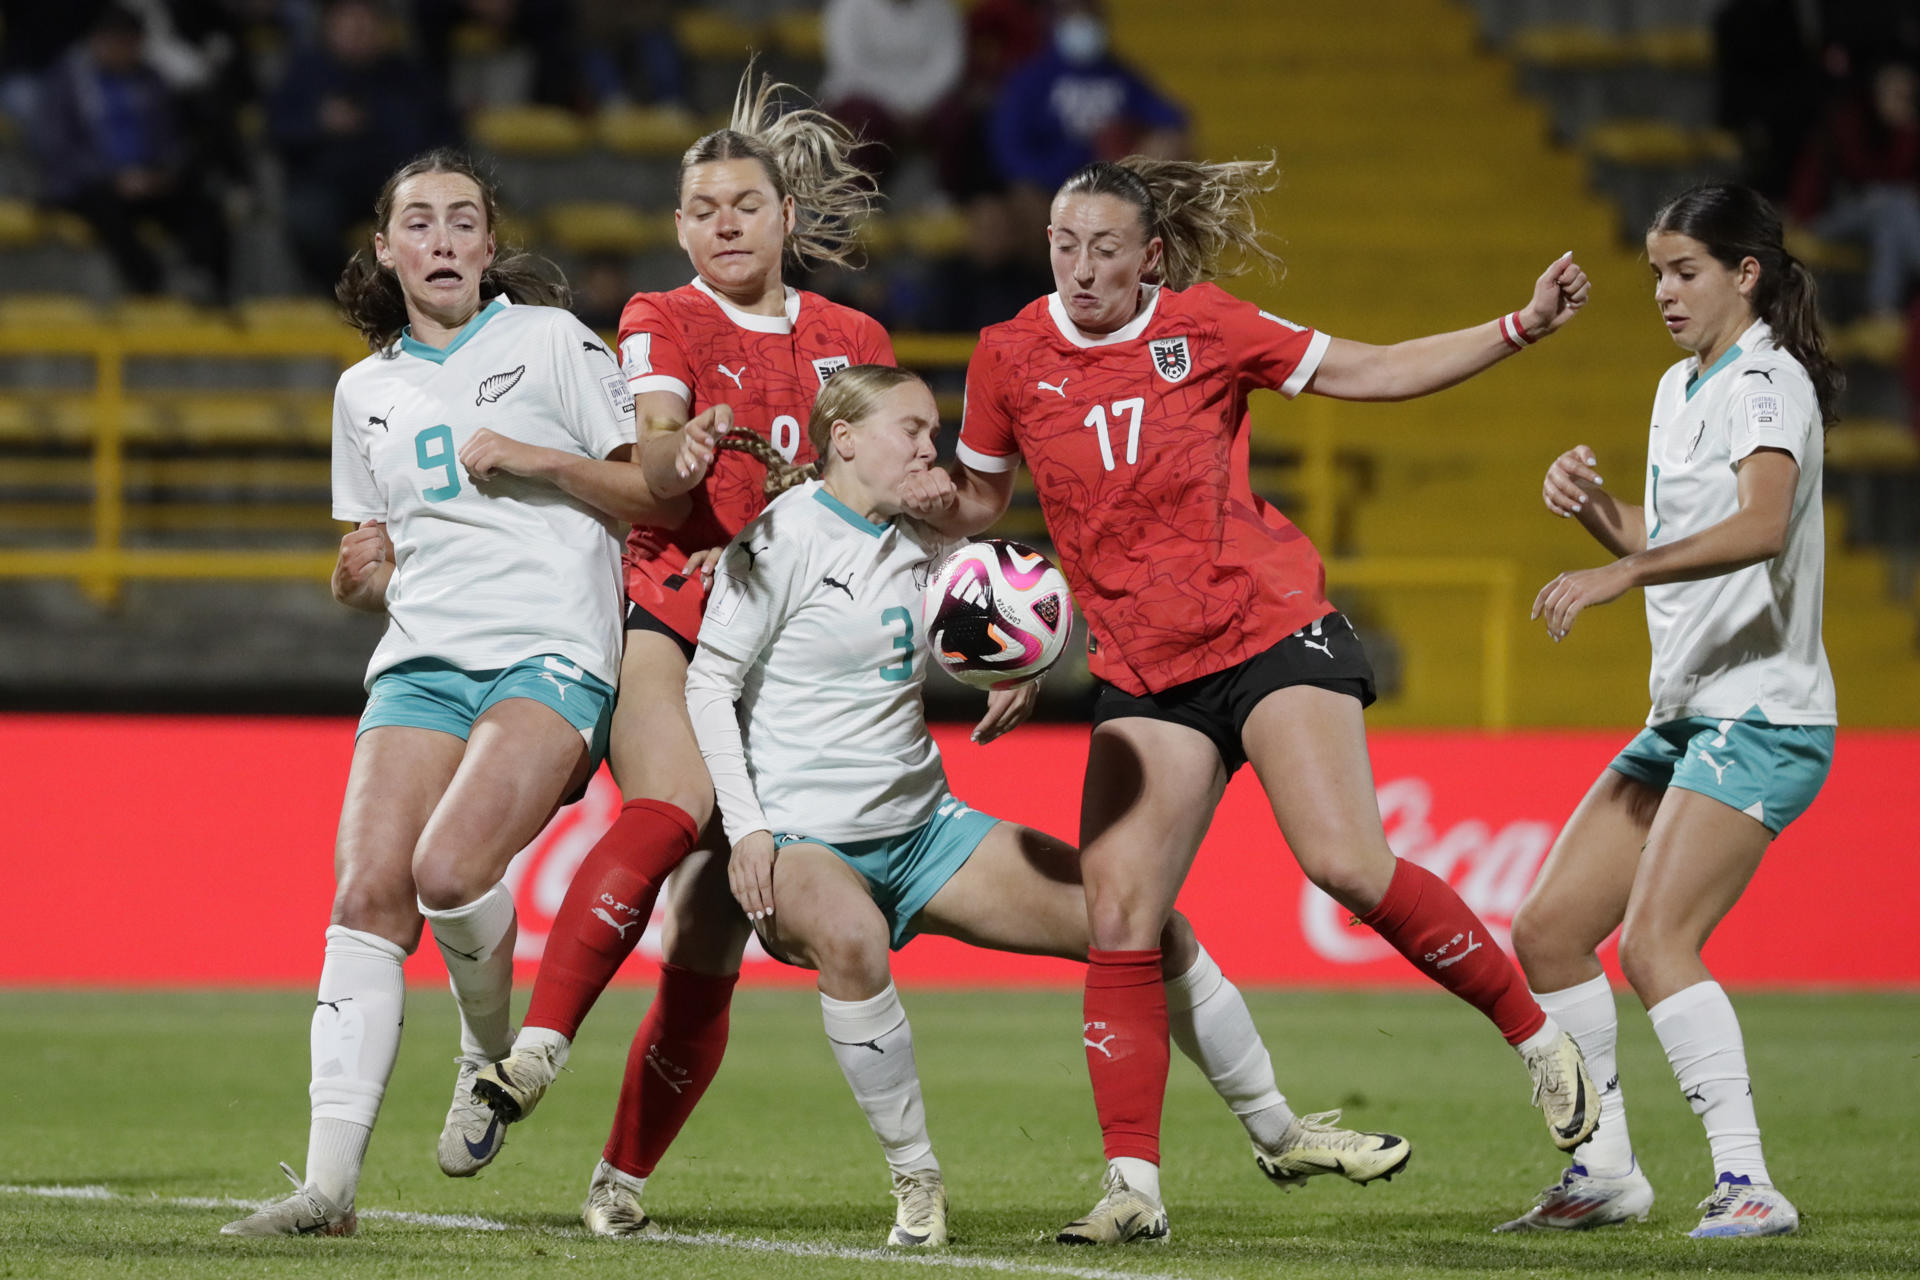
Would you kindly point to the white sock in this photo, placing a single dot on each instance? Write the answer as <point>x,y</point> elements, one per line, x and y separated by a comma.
<point>874,1047</point>
<point>622,1178</point>
<point>556,1045</point>
<point>1207,1017</point>
<point>1142,1175</point>
<point>1549,1032</point>
<point>1588,1014</point>
<point>354,1041</point>
<point>1701,1035</point>
<point>476,941</point>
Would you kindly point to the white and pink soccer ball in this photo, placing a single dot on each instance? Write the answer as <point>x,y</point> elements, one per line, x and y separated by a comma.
<point>996,614</point>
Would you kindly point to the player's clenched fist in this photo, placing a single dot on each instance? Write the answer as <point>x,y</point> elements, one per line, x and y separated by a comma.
<point>1561,290</point>
<point>487,453</point>
<point>1568,480</point>
<point>927,494</point>
<point>363,566</point>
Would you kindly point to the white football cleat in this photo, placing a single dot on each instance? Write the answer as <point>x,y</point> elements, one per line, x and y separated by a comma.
<point>1314,1145</point>
<point>1122,1214</point>
<point>1741,1207</point>
<point>1564,1092</point>
<point>514,1085</point>
<point>304,1213</point>
<point>613,1207</point>
<point>920,1221</point>
<point>473,1133</point>
<point>1581,1200</point>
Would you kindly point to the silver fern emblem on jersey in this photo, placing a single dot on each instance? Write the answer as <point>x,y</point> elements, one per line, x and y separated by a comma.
<point>491,389</point>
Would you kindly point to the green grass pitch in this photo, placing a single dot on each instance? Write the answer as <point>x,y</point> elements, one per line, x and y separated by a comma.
<point>169,1102</point>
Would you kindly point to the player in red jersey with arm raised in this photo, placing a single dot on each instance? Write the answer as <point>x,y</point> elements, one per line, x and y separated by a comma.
<point>723,371</point>
<point>1126,394</point>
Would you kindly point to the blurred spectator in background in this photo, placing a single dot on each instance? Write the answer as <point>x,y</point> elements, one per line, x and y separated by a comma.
<point>503,53</point>
<point>1859,179</point>
<point>111,149</point>
<point>349,111</point>
<point>33,36</point>
<point>601,291</point>
<point>1074,103</point>
<point>1768,86</point>
<point>892,68</point>
<point>199,49</point>
<point>630,53</point>
<point>991,279</point>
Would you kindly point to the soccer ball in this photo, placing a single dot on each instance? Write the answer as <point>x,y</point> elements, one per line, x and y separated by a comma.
<point>996,614</point>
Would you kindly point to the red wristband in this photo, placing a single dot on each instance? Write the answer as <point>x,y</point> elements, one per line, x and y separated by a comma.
<point>1514,334</point>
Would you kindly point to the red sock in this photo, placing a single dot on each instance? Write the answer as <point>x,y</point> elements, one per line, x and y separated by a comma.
<point>675,1055</point>
<point>606,910</point>
<point>1126,1043</point>
<point>1426,922</point>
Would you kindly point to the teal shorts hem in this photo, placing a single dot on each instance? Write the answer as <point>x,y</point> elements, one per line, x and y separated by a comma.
<point>1770,772</point>
<point>903,872</point>
<point>428,693</point>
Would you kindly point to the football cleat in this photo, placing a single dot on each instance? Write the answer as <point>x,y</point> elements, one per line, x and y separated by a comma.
<point>474,1132</point>
<point>613,1207</point>
<point>1123,1214</point>
<point>1564,1092</point>
<point>1740,1206</point>
<point>304,1213</point>
<point>514,1085</point>
<point>1314,1145</point>
<point>1581,1200</point>
<point>920,1222</point>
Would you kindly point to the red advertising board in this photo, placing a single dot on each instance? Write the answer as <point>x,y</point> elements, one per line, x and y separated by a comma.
<point>199,851</point>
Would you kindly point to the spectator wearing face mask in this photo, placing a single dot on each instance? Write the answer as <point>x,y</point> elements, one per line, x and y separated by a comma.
<point>1075,103</point>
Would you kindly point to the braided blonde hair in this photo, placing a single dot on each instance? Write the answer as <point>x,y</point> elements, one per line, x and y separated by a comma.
<point>849,396</point>
<point>1204,214</point>
<point>808,155</point>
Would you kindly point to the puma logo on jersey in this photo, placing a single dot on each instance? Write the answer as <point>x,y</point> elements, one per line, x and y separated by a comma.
<point>371,420</point>
<point>731,374</point>
<point>752,554</point>
<point>847,586</point>
<point>1761,373</point>
<point>491,389</point>
<point>1060,390</point>
<point>1324,646</point>
<point>594,346</point>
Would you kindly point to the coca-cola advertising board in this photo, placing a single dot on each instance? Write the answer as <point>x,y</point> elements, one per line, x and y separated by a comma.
<point>199,851</point>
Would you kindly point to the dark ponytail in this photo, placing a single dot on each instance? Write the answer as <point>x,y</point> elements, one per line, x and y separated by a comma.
<point>1736,223</point>
<point>370,295</point>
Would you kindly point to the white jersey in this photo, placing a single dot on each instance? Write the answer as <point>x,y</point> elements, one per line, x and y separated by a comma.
<point>487,575</point>
<point>813,629</point>
<point>1747,641</point>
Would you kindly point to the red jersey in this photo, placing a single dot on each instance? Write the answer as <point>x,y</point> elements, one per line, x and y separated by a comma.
<point>767,369</point>
<point>1138,445</point>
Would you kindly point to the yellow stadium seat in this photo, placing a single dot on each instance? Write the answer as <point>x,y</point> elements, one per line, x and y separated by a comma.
<point>68,228</point>
<point>530,131</point>
<point>19,424</point>
<point>1675,48</point>
<point>602,226</point>
<point>313,420</point>
<point>1873,444</point>
<point>933,235</point>
<point>797,34</point>
<point>1570,48</point>
<point>75,421</point>
<point>232,420</point>
<point>39,312</point>
<point>707,34</point>
<point>315,316</point>
<point>19,224</point>
<point>1659,144</point>
<point>1873,340</point>
<point>647,131</point>
<point>157,313</point>
<point>1824,255</point>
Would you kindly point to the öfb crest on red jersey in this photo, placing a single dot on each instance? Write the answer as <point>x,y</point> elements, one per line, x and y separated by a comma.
<point>1170,358</point>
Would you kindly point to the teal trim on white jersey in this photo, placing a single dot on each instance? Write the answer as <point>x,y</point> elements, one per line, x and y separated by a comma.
<point>410,345</point>
<point>487,574</point>
<point>1748,639</point>
<point>847,513</point>
<point>805,690</point>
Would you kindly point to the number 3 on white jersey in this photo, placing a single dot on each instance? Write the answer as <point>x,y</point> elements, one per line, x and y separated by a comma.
<point>1097,419</point>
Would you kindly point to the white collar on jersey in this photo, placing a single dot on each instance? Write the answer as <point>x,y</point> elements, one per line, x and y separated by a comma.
<point>1127,333</point>
<point>747,320</point>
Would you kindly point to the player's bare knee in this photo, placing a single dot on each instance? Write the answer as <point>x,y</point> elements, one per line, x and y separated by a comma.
<point>1351,882</point>
<point>384,911</point>
<point>1178,946</point>
<point>850,954</point>
<point>709,942</point>
<point>1120,920</point>
<point>1649,953</point>
<point>442,883</point>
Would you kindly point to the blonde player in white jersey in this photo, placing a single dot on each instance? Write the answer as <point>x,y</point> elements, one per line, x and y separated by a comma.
<point>805,695</point>
<point>485,451</point>
<point>1728,544</point>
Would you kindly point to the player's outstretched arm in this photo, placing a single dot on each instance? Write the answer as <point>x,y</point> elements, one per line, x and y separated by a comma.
<point>364,567</point>
<point>1754,533</point>
<point>959,502</point>
<point>1572,490</point>
<point>613,485</point>
<point>1420,366</point>
<point>675,451</point>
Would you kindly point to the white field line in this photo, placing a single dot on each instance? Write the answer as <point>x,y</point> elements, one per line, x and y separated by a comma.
<point>707,1239</point>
